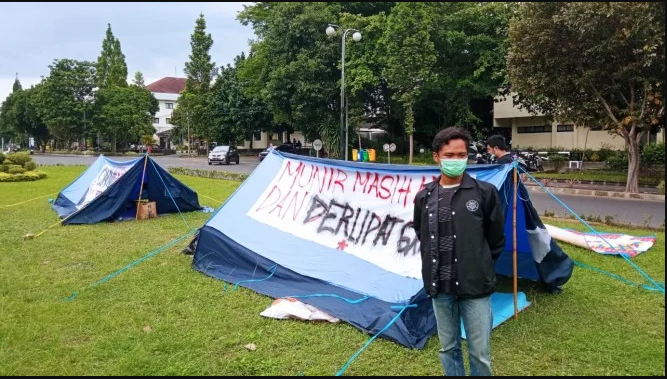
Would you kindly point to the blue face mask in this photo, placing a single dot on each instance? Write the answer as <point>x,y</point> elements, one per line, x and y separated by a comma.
<point>453,168</point>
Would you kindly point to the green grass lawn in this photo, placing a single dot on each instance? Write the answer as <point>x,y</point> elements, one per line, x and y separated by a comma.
<point>597,326</point>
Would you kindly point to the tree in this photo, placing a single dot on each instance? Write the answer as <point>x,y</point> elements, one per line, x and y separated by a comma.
<point>138,79</point>
<point>64,102</point>
<point>295,68</point>
<point>237,113</point>
<point>111,66</point>
<point>471,43</point>
<point>411,57</point>
<point>126,113</point>
<point>200,70</point>
<point>8,116</point>
<point>194,110</point>
<point>594,64</point>
<point>28,120</point>
<point>17,84</point>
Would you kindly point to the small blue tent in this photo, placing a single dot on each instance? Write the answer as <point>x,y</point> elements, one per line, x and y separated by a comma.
<point>337,235</point>
<point>109,191</point>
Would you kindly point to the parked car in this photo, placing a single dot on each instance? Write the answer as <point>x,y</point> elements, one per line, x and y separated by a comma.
<point>264,153</point>
<point>284,148</point>
<point>223,154</point>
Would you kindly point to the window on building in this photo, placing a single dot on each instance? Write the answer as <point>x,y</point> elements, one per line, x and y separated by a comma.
<point>156,120</point>
<point>169,105</point>
<point>257,136</point>
<point>168,121</point>
<point>565,128</point>
<point>534,129</point>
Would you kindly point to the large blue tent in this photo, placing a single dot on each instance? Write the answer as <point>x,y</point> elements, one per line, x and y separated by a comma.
<point>286,233</point>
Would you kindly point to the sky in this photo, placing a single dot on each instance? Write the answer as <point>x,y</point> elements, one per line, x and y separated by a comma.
<point>155,37</point>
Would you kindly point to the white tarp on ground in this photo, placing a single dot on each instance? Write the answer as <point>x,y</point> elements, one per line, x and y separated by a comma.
<point>620,243</point>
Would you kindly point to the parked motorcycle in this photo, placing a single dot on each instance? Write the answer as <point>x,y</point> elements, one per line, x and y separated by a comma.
<point>533,161</point>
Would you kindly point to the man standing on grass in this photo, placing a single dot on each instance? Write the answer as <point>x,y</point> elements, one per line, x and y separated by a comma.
<point>460,224</point>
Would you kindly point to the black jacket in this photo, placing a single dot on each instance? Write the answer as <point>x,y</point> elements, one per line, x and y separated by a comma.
<point>478,221</point>
<point>505,159</point>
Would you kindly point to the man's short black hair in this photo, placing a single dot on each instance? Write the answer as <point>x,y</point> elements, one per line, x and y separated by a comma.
<point>444,136</point>
<point>497,141</point>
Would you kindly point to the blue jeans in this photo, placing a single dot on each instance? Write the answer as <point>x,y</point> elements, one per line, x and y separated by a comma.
<point>477,320</point>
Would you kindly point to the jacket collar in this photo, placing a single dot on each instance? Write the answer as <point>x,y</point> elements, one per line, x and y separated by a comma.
<point>467,182</point>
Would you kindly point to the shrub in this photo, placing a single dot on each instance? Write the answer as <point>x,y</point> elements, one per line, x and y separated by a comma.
<point>653,154</point>
<point>30,166</point>
<point>618,162</point>
<point>558,161</point>
<point>16,169</point>
<point>605,153</point>
<point>595,157</point>
<point>31,175</point>
<point>661,187</point>
<point>2,157</point>
<point>21,177</point>
<point>212,174</point>
<point>19,158</point>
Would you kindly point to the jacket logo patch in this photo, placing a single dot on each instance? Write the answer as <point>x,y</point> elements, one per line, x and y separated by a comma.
<point>472,205</point>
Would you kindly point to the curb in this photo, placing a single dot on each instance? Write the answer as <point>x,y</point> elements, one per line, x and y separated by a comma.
<point>598,193</point>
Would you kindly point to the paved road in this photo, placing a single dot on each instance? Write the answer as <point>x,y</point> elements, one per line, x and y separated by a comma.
<point>246,165</point>
<point>633,211</point>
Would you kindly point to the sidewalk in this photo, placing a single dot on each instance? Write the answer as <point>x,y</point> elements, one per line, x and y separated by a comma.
<point>598,190</point>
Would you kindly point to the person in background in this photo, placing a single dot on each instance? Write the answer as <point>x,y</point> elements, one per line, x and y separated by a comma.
<point>496,146</point>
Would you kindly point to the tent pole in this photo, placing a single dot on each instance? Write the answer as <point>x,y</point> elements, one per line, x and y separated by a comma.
<point>514,252</point>
<point>141,188</point>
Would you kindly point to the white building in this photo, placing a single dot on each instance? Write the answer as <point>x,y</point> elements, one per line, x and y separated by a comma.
<point>535,131</point>
<point>166,91</point>
<point>261,140</point>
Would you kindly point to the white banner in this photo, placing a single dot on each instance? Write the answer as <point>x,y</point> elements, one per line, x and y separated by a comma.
<point>364,213</point>
<point>105,178</point>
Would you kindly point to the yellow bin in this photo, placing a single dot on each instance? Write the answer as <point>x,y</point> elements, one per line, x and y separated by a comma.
<point>371,155</point>
<point>355,155</point>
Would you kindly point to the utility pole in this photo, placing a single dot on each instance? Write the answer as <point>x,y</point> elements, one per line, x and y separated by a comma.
<point>187,116</point>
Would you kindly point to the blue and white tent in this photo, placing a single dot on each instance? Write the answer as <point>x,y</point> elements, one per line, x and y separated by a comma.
<point>338,235</point>
<point>109,190</point>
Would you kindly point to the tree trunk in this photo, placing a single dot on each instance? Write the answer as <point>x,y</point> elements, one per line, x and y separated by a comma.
<point>583,157</point>
<point>113,147</point>
<point>411,148</point>
<point>632,185</point>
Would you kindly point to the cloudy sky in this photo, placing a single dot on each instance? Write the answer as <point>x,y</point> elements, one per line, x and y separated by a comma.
<point>155,37</point>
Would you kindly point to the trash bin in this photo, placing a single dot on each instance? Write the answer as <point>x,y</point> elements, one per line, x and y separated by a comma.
<point>371,155</point>
<point>360,158</point>
<point>355,154</point>
<point>365,155</point>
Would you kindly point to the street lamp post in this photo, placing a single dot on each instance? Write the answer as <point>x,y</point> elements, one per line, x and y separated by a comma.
<point>187,116</point>
<point>344,133</point>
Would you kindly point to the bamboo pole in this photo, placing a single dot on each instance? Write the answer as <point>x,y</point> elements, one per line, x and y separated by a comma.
<point>514,250</point>
<point>141,188</point>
